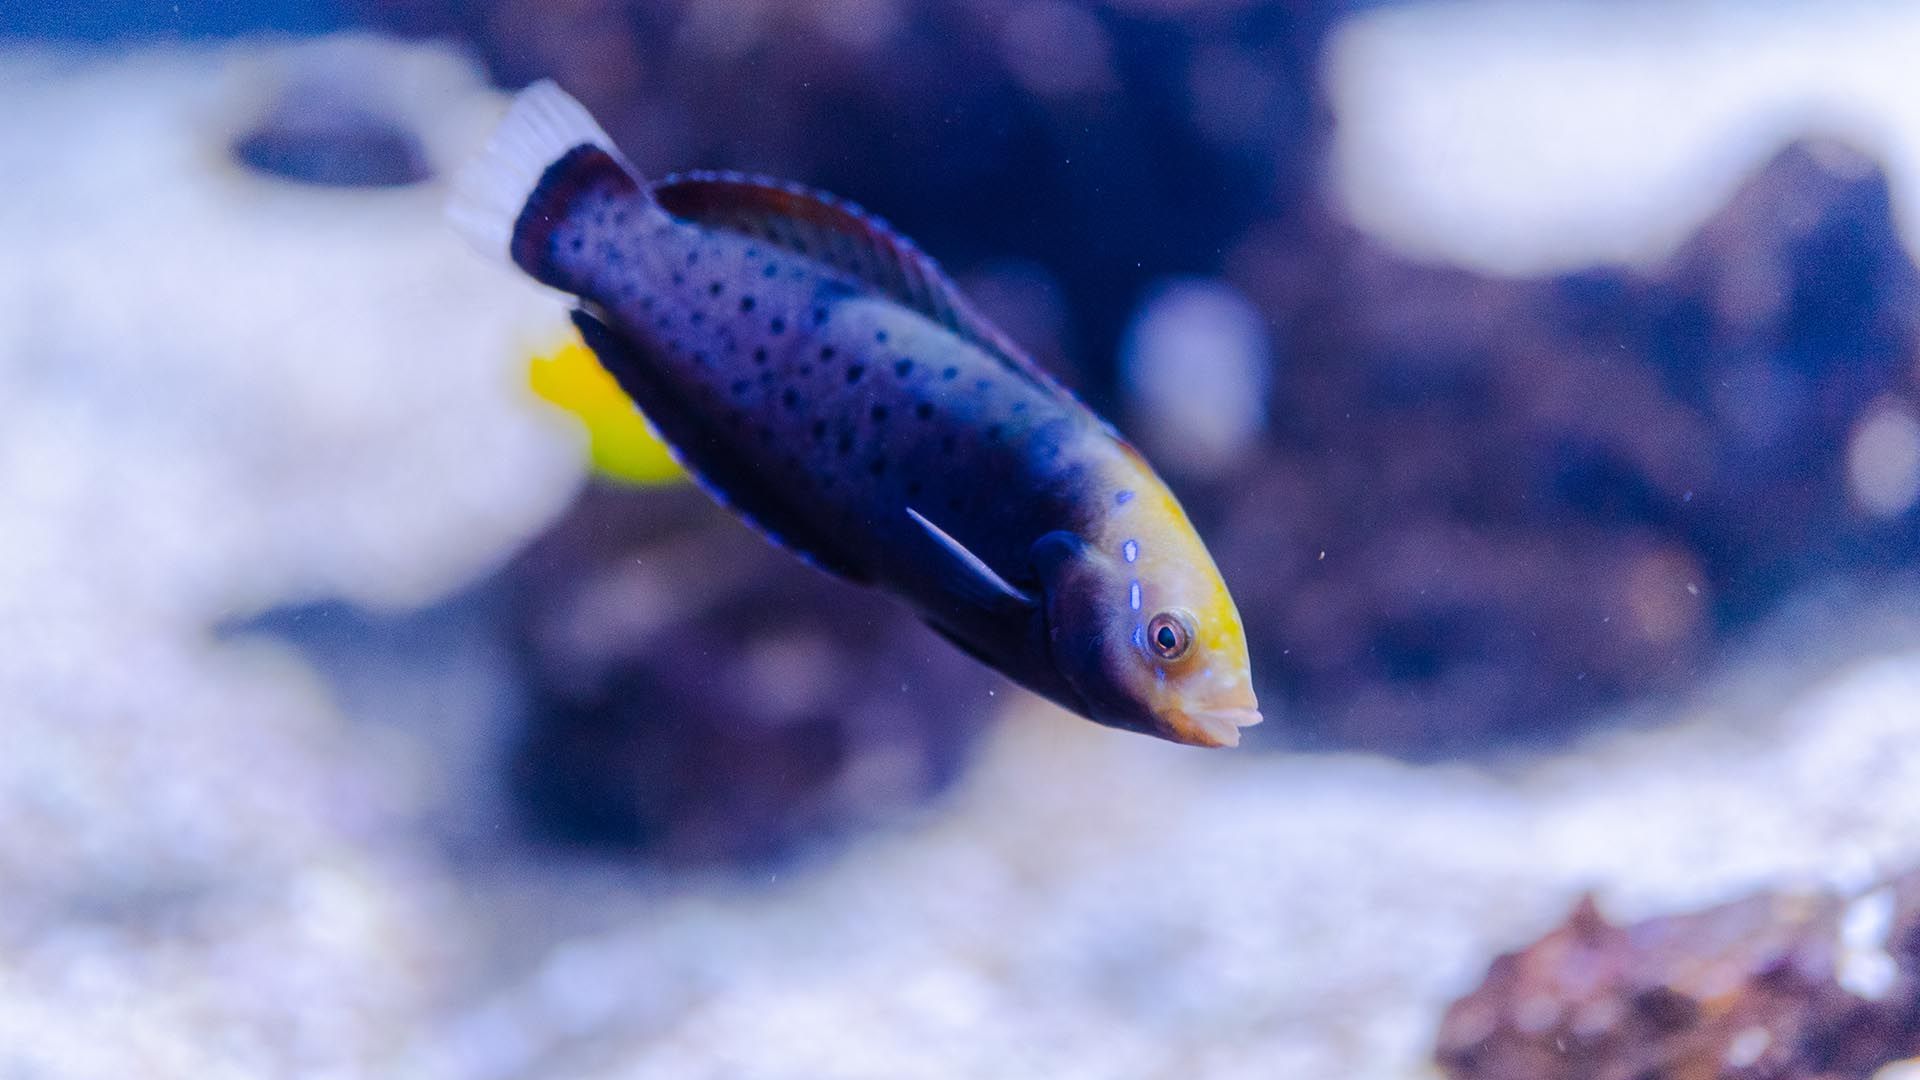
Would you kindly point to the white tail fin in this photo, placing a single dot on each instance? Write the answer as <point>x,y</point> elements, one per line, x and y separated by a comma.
<point>543,123</point>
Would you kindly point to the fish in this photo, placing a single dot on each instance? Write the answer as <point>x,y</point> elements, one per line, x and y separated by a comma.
<point>825,380</point>
<point>620,444</point>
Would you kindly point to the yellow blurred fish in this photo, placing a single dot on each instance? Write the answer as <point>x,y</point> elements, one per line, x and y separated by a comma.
<point>621,443</point>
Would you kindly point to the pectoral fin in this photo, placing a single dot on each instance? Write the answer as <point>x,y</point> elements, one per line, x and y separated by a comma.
<point>966,574</point>
<point>1052,553</point>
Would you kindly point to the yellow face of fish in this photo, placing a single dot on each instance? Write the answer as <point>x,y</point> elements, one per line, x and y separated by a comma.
<point>1143,626</point>
<point>1188,652</point>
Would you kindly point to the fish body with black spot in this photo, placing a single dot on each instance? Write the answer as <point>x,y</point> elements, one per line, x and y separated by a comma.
<point>822,378</point>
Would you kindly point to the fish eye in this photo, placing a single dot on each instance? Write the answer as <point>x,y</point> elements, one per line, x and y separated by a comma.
<point>1170,635</point>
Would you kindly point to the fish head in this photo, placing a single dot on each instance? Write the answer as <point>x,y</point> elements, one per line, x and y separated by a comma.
<point>1143,629</point>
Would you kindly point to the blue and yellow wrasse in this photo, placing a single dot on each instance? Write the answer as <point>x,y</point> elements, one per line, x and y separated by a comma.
<point>825,380</point>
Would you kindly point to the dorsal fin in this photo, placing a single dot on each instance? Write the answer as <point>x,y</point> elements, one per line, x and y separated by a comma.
<point>844,236</point>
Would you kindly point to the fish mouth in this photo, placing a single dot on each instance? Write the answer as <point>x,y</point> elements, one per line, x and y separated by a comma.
<point>1212,727</point>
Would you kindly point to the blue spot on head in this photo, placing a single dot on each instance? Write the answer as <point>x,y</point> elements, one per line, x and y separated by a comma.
<point>1139,637</point>
<point>1122,497</point>
<point>1133,595</point>
<point>1130,551</point>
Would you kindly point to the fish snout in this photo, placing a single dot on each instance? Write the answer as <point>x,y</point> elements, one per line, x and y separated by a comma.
<point>1212,727</point>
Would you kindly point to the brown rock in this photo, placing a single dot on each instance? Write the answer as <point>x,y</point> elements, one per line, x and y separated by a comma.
<point>1765,987</point>
<point>702,697</point>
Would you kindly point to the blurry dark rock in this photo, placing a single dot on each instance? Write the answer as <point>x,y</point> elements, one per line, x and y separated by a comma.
<point>1112,143</point>
<point>1791,313</point>
<point>702,697</point>
<point>1770,987</point>
<point>330,126</point>
<point>1493,506</point>
<point>1483,509</point>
